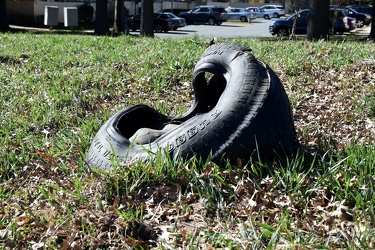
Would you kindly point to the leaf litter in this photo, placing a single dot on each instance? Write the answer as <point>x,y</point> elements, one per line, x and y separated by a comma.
<point>256,212</point>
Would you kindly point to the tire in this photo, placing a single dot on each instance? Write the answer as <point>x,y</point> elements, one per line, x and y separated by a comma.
<point>360,23</point>
<point>276,15</point>
<point>266,17</point>
<point>126,30</point>
<point>211,21</point>
<point>282,32</point>
<point>243,19</point>
<point>240,111</point>
<point>158,28</point>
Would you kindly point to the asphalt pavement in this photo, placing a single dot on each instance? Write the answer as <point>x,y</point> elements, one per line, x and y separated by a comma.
<point>256,28</point>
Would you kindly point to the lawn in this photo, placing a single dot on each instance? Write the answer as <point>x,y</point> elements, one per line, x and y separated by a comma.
<point>58,89</point>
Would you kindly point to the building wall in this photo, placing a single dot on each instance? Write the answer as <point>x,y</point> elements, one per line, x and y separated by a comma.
<point>39,8</point>
<point>257,2</point>
<point>21,11</point>
<point>170,6</point>
<point>33,10</point>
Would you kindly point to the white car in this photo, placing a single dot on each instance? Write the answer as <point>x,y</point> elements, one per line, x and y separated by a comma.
<point>240,14</point>
<point>261,13</point>
<point>277,10</point>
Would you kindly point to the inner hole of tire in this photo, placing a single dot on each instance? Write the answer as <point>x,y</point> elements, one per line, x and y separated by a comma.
<point>143,126</point>
<point>215,86</point>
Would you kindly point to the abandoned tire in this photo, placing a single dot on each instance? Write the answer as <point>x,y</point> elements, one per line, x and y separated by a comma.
<point>252,113</point>
<point>240,110</point>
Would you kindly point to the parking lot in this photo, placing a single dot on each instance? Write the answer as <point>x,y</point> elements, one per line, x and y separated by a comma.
<point>257,28</point>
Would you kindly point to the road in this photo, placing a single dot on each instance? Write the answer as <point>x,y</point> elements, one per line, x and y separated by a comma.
<point>257,28</point>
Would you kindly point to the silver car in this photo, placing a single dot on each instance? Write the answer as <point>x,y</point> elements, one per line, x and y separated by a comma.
<point>240,14</point>
<point>260,13</point>
<point>277,10</point>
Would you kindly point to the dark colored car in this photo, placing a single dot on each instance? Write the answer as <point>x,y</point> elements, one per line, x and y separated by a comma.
<point>362,18</point>
<point>352,22</point>
<point>209,14</point>
<point>367,9</point>
<point>177,22</point>
<point>283,26</point>
<point>162,22</point>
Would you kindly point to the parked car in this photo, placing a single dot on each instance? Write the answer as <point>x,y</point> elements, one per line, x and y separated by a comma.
<point>352,22</point>
<point>266,14</point>
<point>277,10</point>
<point>210,14</point>
<point>343,23</point>
<point>240,14</point>
<point>177,22</point>
<point>162,22</point>
<point>283,26</point>
<point>362,18</point>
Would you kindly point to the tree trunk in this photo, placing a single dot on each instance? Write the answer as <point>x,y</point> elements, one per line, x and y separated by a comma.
<point>101,19</point>
<point>147,20</point>
<point>372,32</point>
<point>3,16</point>
<point>319,24</point>
<point>119,21</point>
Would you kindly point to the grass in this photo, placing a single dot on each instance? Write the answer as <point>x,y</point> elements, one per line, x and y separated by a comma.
<point>58,89</point>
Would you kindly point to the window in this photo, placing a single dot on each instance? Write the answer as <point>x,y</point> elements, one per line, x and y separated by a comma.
<point>304,15</point>
<point>195,10</point>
